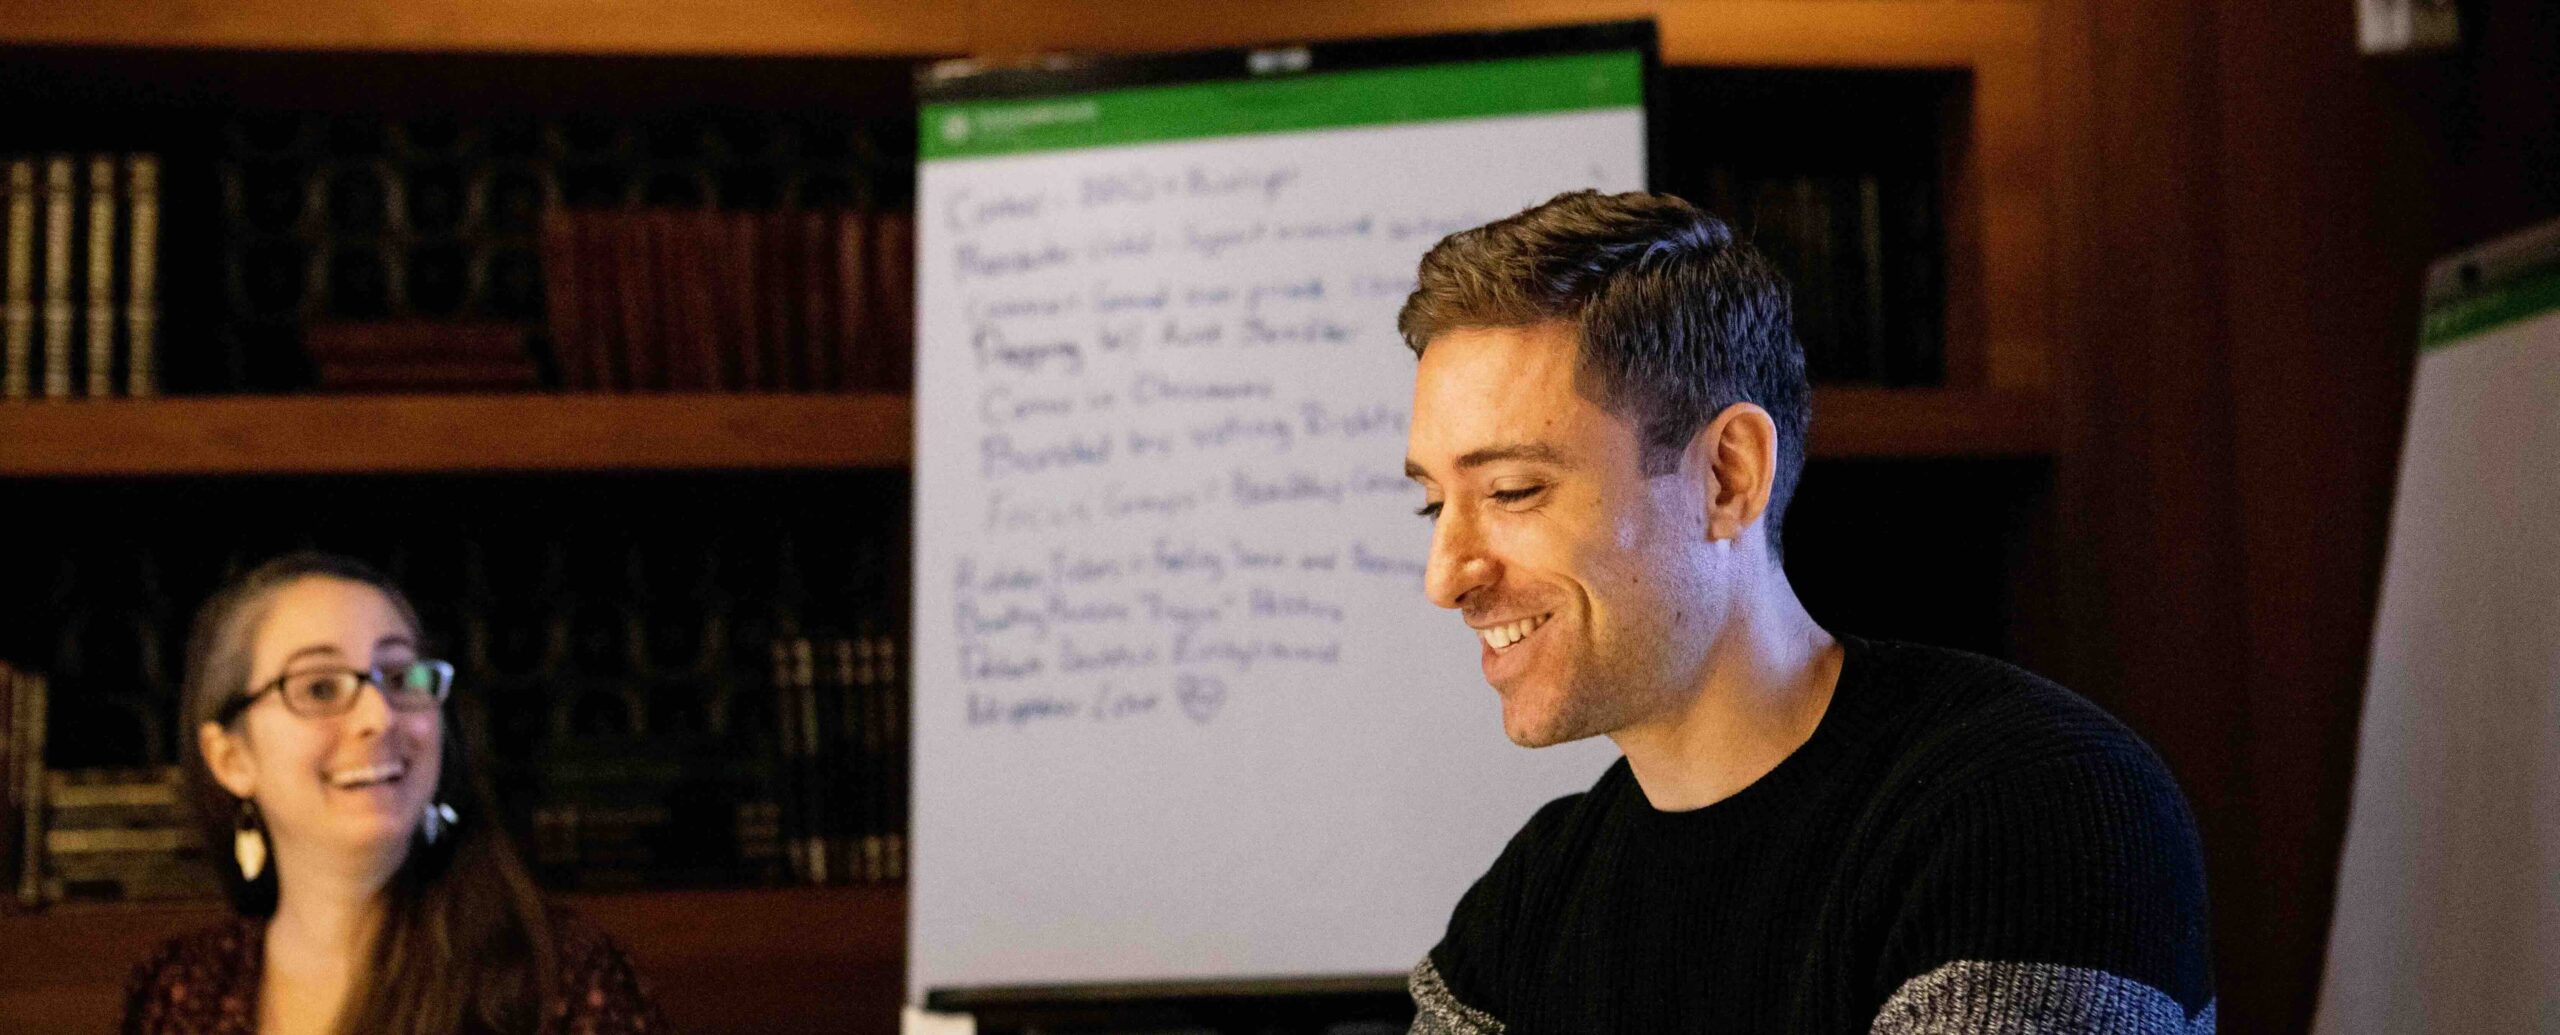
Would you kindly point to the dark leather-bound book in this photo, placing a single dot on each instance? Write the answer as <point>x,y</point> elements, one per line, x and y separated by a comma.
<point>895,257</point>
<point>356,343</point>
<point>857,334</point>
<point>431,375</point>
<point>11,801</point>
<point>781,271</point>
<point>599,295</point>
<point>741,328</point>
<point>817,295</point>
<point>563,277</point>
<point>686,271</point>
<point>635,285</point>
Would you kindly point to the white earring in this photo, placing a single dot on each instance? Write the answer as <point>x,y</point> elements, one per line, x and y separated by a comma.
<point>248,842</point>
<point>438,816</point>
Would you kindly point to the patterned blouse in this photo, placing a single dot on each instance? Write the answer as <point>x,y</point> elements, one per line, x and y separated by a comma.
<point>206,983</point>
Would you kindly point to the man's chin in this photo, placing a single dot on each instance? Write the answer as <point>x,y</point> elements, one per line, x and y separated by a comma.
<point>1534,727</point>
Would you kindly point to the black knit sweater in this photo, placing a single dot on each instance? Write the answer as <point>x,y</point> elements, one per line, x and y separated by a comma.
<point>1960,846</point>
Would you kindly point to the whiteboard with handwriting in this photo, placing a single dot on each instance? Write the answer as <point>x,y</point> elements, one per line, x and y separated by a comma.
<point>1181,708</point>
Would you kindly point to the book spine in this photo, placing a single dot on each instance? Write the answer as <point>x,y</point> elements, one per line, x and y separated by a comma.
<point>686,265</point>
<point>813,784</point>
<point>874,773</point>
<point>900,762</point>
<point>142,272</point>
<point>57,278</point>
<point>599,270</point>
<point>132,877</point>
<point>818,285</point>
<point>759,834</point>
<point>1872,280</point>
<point>845,762</point>
<point>30,723</point>
<point>635,285</point>
<point>896,262</point>
<point>555,838</point>
<point>61,841</point>
<point>786,722</point>
<point>773,293</point>
<point>18,320</point>
<point>156,788</point>
<point>857,338</point>
<point>738,302</point>
<point>560,284</point>
<point>99,289</point>
<point>11,797</point>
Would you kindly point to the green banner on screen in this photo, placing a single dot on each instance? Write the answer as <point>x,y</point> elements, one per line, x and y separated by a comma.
<point>1322,100</point>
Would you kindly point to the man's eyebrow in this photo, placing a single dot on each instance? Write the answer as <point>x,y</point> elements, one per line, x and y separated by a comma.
<point>1531,452</point>
<point>395,640</point>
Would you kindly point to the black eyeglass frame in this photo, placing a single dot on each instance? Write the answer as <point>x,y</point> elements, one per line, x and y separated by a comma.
<point>376,677</point>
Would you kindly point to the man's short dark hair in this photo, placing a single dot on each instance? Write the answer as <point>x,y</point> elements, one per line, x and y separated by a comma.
<point>1676,319</point>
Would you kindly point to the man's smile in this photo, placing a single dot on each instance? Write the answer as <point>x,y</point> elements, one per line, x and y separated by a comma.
<point>1501,635</point>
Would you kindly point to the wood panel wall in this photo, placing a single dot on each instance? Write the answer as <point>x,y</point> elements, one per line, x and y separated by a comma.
<point>2251,205</point>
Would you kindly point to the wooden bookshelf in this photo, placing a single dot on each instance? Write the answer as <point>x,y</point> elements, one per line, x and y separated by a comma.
<point>385,434</point>
<point>719,962</point>
<point>832,959</point>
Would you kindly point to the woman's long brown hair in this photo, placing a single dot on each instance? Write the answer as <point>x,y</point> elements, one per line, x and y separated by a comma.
<point>465,945</point>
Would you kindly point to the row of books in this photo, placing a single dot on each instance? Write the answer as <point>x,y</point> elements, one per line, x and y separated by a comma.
<point>421,355</point>
<point>1861,254</point>
<point>22,726</point>
<point>842,708</point>
<point>790,300</point>
<point>648,641</point>
<point>118,835</point>
<point>82,311</point>
<point>826,804</point>
<point>89,835</point>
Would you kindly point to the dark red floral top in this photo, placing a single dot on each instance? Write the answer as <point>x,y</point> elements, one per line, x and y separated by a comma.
<point>206,983</point>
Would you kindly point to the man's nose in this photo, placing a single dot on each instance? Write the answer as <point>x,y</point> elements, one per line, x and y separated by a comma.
<point>1459,564</point>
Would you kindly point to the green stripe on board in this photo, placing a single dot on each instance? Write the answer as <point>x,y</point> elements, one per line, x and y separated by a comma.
<point>1322,100</point>
<point>2491,306</point>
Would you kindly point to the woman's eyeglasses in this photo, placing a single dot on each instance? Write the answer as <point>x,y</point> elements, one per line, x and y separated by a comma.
<point>324,693</point>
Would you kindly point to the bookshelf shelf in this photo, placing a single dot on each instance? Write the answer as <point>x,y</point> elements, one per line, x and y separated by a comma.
<point>423,434</point>
<point>535,26</point>
<point>452,434</point>
<point>743,960</point>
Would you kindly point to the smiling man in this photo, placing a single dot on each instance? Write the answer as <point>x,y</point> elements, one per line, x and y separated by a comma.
<point>1809,832</point>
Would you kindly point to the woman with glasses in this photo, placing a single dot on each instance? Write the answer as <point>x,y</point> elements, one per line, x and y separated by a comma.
<point>375,892</point>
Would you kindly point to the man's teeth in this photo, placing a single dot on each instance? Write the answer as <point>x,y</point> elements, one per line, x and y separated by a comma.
<point>369,774</point>
<point>1504,635</point>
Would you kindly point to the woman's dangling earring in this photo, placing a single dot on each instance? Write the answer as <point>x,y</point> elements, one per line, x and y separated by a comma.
<point>439,816</point>
<point>249,841</point>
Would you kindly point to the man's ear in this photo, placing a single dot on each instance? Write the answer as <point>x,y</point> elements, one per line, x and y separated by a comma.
<point>1740,448</point>
<point>226,755</point>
